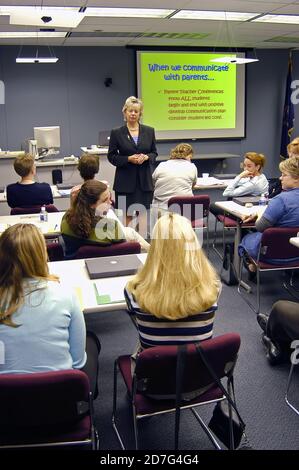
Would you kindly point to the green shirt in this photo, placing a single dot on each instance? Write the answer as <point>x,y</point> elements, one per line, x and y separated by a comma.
<point>106,232</point>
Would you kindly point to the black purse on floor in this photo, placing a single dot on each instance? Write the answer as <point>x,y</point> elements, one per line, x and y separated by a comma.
<point>220,421</point>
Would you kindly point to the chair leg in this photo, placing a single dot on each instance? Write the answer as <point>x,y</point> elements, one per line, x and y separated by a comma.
<point>287,400</point>
<point>290,286</point>
<point>243,286</point>
<point>214,240</point>
<point>115,405</point>
<point>206,429</point>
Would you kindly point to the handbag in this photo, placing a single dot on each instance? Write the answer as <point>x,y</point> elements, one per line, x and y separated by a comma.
<point>220,422</point>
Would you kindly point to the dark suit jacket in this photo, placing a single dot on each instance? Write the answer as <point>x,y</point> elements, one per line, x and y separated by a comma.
<point>121,146</point>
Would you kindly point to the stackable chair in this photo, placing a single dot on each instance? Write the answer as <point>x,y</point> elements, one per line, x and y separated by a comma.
<point>194,208</point>
<point>154,380</point>
<point>55,251</point>
<point>33,209</point>
<point>47,409</point>
<point>294,356</point>
<point>274,245</point>
<point>95,251</point>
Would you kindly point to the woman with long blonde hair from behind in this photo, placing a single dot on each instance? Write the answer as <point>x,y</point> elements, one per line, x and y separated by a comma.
<point>174,295</point>
<point>42,326</point>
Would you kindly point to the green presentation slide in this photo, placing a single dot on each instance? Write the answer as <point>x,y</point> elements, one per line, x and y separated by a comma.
<point>187,91</point>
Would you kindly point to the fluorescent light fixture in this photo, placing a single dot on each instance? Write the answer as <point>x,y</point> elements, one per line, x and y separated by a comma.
<point>234,60</point>
<point>32,34</point>
<point>213,15</point>
<point>8,10</point>
<point>60,19</point>
<point>128,12</point>
<point>288,19</point>
<point>36,60</point>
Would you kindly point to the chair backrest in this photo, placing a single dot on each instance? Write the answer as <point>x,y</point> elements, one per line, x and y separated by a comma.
<point>275,243</point>
<point>55,251</point>
<point>32,209</point>
<point>33,406</point>
<point>95,251</point>
<point>192,207</point>
<point>156,367</point>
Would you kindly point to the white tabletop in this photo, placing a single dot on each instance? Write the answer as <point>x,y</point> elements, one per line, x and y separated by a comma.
<point>73,274</point>
<point>238,210</point>
<point>95,150</point>
<point>211,183</point>
<point>50,228</point>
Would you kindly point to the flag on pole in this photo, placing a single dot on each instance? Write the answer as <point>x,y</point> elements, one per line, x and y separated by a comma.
<point>288,114</point>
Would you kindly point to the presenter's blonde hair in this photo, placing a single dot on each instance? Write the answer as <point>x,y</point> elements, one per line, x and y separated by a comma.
<point>177,280</point>
<point>132,101</point>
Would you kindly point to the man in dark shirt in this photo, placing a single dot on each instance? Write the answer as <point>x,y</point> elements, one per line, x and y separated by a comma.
<point>27,192</point>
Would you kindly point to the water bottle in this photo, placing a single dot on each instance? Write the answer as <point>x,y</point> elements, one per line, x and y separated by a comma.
<point>43,215</point>
<point>263,200</point>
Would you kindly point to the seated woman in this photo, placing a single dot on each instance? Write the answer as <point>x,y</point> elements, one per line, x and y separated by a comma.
<point>27,192</point>
<point>173,297</point>
<point>175,177</point>
<point>280,328</point>
<point>85,223</point>
<point>88,167</point>
<point>251,180</point>
<point>282,211</point>
<point>41,324</point>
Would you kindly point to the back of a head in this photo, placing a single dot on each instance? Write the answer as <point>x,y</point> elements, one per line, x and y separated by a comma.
<point>90,192</point>
<point>23,164</point>
<point>181,151</point>
<point>177,279</point>
<point>88,166</point>
<point>293,148</point>
<point>22,250</point>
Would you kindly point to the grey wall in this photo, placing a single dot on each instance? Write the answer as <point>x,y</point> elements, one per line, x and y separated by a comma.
<point>72,94</point>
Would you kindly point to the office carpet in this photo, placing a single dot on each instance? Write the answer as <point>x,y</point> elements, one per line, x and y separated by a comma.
<point>260,387</point>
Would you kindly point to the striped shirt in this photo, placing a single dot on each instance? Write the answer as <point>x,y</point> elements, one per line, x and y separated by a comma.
<point>155,331</point>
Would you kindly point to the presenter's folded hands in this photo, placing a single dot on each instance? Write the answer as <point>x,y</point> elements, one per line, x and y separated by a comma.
<point>134,159</point>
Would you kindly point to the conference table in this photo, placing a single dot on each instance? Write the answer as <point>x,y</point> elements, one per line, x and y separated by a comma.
<point>49,229</point>
<point>73,275</point>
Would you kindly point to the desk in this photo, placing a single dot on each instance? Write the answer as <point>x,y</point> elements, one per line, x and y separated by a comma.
<point>210,183</point>
<point>206,156</point>
<point>50,228</point>
<point>238,211</point>
<point>73,274</point>
<point>295,241</point>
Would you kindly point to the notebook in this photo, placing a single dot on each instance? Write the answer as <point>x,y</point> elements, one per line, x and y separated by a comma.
<point>247,199</point>
<point>112,266</point>
<point>104,137</point>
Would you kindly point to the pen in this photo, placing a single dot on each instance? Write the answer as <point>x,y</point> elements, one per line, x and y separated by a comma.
<point>56,226</point>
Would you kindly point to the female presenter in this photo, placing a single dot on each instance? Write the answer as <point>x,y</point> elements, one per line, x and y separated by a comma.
<point>132,150</point>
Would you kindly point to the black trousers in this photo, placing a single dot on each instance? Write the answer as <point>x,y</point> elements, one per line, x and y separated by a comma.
<point>91,367</point>
<point>283,323</point>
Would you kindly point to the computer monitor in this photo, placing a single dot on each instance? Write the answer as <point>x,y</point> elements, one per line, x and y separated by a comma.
<point>48,139</point>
